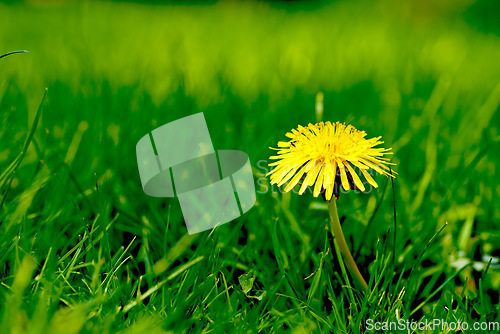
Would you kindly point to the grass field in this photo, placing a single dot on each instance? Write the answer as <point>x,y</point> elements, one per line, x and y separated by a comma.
<point>84,250</point>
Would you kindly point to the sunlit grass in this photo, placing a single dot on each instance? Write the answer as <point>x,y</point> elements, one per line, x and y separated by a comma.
<point>82,246</point>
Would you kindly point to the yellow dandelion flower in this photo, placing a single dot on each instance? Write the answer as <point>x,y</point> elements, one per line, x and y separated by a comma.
<point>322,155</point>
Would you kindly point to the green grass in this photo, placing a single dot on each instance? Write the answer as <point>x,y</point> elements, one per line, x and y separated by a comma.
<point>84,250</point>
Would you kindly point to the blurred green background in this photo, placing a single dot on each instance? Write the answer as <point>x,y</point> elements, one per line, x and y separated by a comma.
<point>425,75</point>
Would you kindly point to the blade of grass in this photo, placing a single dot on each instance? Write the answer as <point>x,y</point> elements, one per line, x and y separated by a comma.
<point>439,289</point>
<point>13,52</point>
<point>25,148</point>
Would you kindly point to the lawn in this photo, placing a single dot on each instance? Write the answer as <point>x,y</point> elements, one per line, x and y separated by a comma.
<point>84,250</point>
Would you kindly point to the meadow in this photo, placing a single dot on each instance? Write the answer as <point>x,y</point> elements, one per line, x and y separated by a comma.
<point>84,250</point>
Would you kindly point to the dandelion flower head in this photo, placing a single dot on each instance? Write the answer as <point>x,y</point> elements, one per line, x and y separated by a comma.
<point>322,155</point>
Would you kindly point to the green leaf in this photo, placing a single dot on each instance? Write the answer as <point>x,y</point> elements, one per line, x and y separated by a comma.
<point>246,282</point>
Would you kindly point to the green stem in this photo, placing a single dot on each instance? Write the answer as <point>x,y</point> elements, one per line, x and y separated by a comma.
<point>336,230</point>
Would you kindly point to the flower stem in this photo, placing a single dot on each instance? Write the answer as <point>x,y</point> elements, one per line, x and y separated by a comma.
<point>336,230</point>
